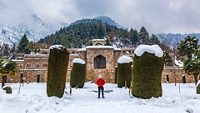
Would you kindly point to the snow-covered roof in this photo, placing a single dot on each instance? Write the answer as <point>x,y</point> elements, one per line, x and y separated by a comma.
<point>178,62</point>
<point>82,49</point>
<point>106,47</point>
<point>78,60</point>
<point>15,60</point>
<point>56,46</point>
<point>124,59</point>
<point>100,47</point>
<point>153,49</point>
<point>98,39</point>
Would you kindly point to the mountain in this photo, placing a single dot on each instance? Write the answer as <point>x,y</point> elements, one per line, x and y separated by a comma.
<point>107,20</point>
<point>80,33</point>
<point>38,29</point>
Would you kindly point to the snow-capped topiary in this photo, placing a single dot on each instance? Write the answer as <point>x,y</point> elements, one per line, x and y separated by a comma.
<point>124,71</point>
<point>78,73</point>
<point>78,60</point>
<point>146,76</point>
<point>153,49</point>
<point>56,47</point>
<point>124,59</point>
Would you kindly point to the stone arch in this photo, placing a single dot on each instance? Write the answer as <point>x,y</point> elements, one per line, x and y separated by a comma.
<point>28,65</point>
<point>98,44</point>
<point>45,65</point>
<point>99,62</point>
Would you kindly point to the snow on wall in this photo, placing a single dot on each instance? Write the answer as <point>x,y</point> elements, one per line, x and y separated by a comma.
<point>103,47</point>
<point>153,49</point>
<point>124,59</point>
<point>178,63</point>
<point>56,46</point>
<point>78,60</point>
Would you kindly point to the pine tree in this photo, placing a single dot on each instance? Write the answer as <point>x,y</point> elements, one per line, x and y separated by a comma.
<point>188,46</point>
<point>23,45</point>
<point>133,35</point>
<point>143,35</point>
<point>154,39</point>
<point>167,59</point>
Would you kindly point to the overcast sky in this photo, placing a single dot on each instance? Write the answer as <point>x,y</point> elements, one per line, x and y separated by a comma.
<point>182,16</point>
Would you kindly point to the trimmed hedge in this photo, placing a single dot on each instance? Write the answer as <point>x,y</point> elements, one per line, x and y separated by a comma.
<point>198,89</point>
<point>8,89</point>
<point>146,79</point>
<point>124,72</point>
<point>115,80</point>
<point>78,74</point>
<point>57,71</point>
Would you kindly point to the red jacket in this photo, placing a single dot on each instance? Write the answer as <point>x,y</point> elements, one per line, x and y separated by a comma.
<point>100,82</point>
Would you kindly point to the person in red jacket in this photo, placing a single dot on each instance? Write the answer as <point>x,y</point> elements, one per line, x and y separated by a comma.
<point>100,82</point>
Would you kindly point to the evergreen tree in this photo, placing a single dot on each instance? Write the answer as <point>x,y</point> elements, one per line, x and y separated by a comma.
<point>192,67</point>
<point>133,35</point>
<point>23,45</point>
<point>154,39</point>
<point>188,46</point>
<point>143,35</point>
<point>167,59</point>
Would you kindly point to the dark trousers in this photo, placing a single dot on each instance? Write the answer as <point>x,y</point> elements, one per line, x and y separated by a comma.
<point>100,89</point>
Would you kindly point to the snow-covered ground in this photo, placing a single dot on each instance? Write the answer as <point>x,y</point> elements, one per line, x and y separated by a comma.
<point>33,99</point>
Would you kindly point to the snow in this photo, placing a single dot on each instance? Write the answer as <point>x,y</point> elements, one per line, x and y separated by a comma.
<point>153,49</point>
<point>99,47</point>
<point>178,63</point>
<point>78,60</point>
<point>33,99</point>
<point>56,46</point>
<point>82,49</point>
<point>110,47</point>
<point>124,59</point>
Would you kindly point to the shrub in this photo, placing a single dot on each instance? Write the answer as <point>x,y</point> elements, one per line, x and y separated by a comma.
<point>8,89</point>
<point>124,71</point>
<point>146,79</point>
<point>198,89</point>
<point>77,78</point>
<point>115,80</point>
<point>57,70</point>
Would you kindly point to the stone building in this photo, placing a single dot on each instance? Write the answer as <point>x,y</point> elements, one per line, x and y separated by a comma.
<point>100,59</point>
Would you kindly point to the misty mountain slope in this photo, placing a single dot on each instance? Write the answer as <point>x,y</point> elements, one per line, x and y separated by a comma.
<point>173,39</point>
<point>107,20</point>
<point>38,29</point>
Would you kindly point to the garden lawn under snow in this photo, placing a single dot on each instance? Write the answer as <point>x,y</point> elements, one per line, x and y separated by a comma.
<point>33,99</point>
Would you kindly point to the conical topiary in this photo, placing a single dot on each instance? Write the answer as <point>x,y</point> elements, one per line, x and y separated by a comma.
<point>57,70</point>
<point>78,73</point>
<point>147,70</point>
<point>124,71</point>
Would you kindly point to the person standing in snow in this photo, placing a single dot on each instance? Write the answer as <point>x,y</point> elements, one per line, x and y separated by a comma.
<point>100,82</point>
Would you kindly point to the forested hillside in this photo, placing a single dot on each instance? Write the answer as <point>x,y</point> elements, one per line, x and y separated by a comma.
<point>81,32</point>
